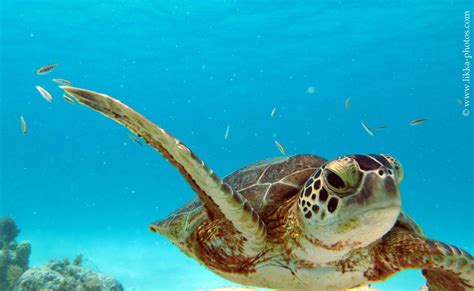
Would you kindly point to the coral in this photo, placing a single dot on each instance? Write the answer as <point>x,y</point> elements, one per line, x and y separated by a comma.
<point>58,275</point>
<point>22,254</point>
<point>3,259</point>
<point>8,231</point>
<point>13,274</point>
<point>14,257</point>
<point>55,275</point>
<point>66,261</point>
<point>78,260</point>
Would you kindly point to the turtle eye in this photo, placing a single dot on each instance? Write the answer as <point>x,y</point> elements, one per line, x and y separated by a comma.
<point>397,168</point>
<point>334,180</point>
<point>341,175</point>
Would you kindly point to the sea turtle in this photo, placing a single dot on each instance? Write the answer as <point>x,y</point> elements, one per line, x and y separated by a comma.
<point>299,222</point>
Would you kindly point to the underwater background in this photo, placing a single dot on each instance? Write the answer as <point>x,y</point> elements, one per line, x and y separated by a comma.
<point>77,184</point>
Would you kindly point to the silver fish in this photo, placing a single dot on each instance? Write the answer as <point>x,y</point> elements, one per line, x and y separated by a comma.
<point>367,129</point>
<point>46,69</point>
<point>45,94</point>
<point>24,129</point>
<point>280,147</point>
<point>68,99</point>
<point>418,121</point>
<point>273,112</point>
<point>226,134</point>
<point>62,82</point>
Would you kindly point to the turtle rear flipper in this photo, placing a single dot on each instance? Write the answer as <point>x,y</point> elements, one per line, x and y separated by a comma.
<point>219,199</point>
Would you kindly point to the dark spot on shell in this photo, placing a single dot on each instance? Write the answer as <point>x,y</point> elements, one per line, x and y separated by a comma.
<point>305,209</point>
<point>366,163</point>
<point>332,204</point>
<point>308,214</point>
<point>309,182</point>
<point>308,204</point>
<point>313,196</point>
<point>317,184</point>
<point>315,208</point>
<point>323,195</point>
<point>307,191</point>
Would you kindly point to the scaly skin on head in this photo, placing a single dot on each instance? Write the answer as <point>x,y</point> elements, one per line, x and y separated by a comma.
<point>351,201</point>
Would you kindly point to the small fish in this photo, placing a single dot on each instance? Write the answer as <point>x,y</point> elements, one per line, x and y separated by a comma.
<point>274,110</point>
<point>68,99</point>
<point>380,127</point>
<point>135,139</point>
<point>310,90</point>
<point>459,101</point>
<point>226,134</point>
<point>367,129</point>
<point>280,147</point>
<point>348,103</point>
<point>24,129</point>
<point>46,69</point>
<point>45,94</point>
<point>62,82</point>
<point>418,121</point>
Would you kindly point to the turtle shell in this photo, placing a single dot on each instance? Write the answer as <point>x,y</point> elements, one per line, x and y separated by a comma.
<point>265,184</point>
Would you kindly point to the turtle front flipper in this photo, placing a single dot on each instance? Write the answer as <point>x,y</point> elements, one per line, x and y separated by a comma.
<point>453,269</point>
<point>219,199</point>
<point>445,267</point>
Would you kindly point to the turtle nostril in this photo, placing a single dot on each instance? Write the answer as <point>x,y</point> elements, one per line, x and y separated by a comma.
<point>390,172</point>
<point>381,172</point>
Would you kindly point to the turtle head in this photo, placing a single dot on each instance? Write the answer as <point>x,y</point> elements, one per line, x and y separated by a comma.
<point>352,200</point>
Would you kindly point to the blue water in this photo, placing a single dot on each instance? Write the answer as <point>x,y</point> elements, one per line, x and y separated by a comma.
<point>77,184</point>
